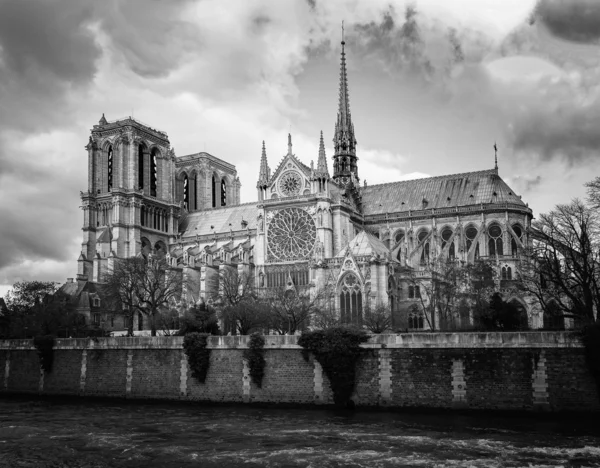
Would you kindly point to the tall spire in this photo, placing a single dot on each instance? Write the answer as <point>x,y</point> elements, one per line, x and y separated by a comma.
<point>264,174</point>
<point>322,170</point>
<point>344,140</point>
<point>495,156</point>
<point>289,144</point>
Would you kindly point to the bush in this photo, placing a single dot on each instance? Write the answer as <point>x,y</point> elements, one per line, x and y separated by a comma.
<point>44,345</point>
<point>255,355</point>
<point>194,345</point>
<point>590,336</point>
<point>337,349</point>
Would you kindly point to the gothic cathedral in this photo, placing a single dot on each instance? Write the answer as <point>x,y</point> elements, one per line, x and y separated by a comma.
<point>312,229</point>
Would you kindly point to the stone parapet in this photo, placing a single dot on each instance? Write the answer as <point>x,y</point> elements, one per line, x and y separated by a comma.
<point>404,340</point>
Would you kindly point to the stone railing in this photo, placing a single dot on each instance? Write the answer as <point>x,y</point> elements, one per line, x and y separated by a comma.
<point>533,339</point>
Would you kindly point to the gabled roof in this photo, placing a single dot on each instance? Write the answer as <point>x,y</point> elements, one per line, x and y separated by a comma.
<point>363,244</point>
<point>200,222</point>
<point>469,188</point>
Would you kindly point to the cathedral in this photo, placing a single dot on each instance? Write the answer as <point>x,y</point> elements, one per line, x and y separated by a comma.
<point>311,227</point>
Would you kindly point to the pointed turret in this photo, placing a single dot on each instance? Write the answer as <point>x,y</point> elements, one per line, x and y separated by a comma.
<point>322,170</point>
<point>263,175</point>
<point>289,144</point>
<point>103,120</point>
<point>344,140</point>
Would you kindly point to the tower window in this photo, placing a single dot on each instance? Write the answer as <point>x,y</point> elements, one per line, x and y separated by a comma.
<point>223,193</point>
<point>153,173</point>
<point>110,168</point>
<point>140,167</point>
<point>186,192</point>
<point>214,192</point>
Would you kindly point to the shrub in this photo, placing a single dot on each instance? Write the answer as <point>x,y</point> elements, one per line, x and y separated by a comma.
<point>337,349</point>
<point>194,345</point>
<point>255,355</point>
<point>590,336</point>
<point>44,345</point>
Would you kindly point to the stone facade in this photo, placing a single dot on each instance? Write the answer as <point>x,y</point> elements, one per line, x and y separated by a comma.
<point>365,245</point>
<point>507,371</point>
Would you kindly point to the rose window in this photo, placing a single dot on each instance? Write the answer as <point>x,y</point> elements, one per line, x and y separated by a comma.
<point>290,183</point>
<point>292,235</point>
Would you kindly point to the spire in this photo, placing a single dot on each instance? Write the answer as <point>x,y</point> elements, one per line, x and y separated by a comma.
<point>103,120</point>
<point>322,161</point>
<point>289,144</point>
<point>495,156</point>
<point>264,174</point>
<point>344,140</point>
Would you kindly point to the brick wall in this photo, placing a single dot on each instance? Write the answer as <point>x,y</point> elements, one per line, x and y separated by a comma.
<point>516,371</point>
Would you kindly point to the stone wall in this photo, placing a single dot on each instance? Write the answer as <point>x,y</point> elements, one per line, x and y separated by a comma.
<point>508,371</point>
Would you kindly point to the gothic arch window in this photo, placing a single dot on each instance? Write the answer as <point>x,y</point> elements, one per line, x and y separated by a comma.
<point>514,248</point>
<point>110,168</point>
<point>214,191</point>
<point>186,191</point>
<point>422,236</point>
<point>350,300</point>
<point>471,234</point>
<point>194,191</point>
<point>153,173</point>
<point>495,246</point>
<point>414,292</point>
<point>223,192</point>
<point>506,273</point>
<point>399,236</point>
<point>140,167</point>
<point>446,236</point>
<point>416,320</point>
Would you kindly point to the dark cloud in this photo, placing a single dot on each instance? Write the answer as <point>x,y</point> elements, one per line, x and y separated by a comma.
<point>526,184</point>
<point>46,49</point>
<point>153,36</point>
<point>567,130</point>
<point>573,20</point>
<point>38,224</point>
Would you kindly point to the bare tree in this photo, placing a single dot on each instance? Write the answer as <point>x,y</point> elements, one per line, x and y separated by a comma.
<point>292,308</point>
<point>562,266</point>
<point>144,284</point>
<point>119,287</point>
<point>377,319</point>
<point>247,315</point>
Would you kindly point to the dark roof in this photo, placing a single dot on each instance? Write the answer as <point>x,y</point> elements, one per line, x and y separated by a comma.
<point>469,188</point>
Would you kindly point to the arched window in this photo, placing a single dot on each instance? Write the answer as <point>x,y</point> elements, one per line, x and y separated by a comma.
<point>350,300</point>
<point>471,234</point>
<point>514,249</point>
<point>495,241</point>
<point>194,191</point>
<point>414,292</point>
<point>504,273</point>
<point>214,191</point>
<point>425,252</point>
<point>399,237</point>
<point>140,167</point>
<point>446,236</point>
<point>415,318</point>
<point>523,322</point>
<point>223,192</point>
<point>186,192</point>
<point>110,168</point>
<point>153,173</point>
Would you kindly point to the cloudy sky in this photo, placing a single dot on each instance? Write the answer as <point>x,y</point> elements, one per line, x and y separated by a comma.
<point>431,88</point>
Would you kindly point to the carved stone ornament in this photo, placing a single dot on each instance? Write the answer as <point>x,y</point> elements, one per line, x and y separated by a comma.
<point>290,183</point>
<point>291,235</point>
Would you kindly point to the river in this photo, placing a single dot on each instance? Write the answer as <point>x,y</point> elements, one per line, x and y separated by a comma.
<point>98,434</point>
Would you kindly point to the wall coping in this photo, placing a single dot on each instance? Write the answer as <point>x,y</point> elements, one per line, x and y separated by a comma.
<point>532,339</point>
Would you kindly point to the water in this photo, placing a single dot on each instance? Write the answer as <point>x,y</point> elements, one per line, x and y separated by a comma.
<point>98,434</point>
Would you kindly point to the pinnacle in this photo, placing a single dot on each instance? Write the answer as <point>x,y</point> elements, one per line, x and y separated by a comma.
<point>264,173</point>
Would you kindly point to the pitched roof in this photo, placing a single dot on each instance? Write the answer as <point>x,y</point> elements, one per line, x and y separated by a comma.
<point>365,243</point>
<point>200,222</point>
<point>469,188</point>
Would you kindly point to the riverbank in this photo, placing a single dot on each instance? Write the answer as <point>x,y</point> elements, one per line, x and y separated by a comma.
<point>528,371</point>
